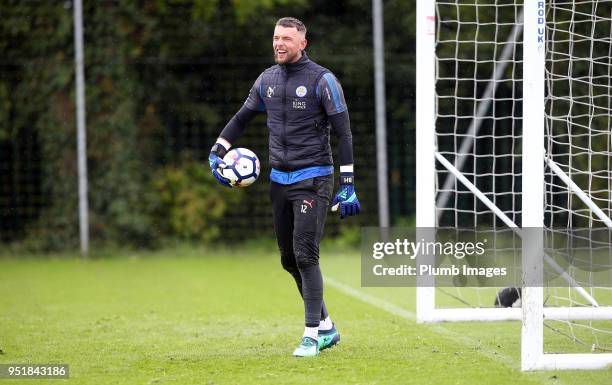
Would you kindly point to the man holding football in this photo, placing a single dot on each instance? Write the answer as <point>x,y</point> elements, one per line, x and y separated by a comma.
<point>302,100</point>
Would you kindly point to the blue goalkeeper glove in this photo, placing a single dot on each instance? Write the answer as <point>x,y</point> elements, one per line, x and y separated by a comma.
<point>215,160</point>
<point>346,198</point>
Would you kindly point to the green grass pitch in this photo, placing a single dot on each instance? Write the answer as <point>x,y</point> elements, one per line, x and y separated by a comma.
<point>234,317</point>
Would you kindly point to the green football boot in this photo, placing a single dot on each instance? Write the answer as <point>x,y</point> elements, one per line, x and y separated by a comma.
<point>328,338</point>
<point>308,348</point>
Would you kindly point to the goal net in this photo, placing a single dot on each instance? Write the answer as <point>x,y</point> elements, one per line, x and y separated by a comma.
<point>477,103</point>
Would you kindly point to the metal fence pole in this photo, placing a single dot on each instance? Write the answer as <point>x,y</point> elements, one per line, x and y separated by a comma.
<point>381,125</point>
<point>81,129</point>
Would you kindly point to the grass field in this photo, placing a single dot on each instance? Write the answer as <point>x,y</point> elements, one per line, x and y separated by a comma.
<point>193,316</point>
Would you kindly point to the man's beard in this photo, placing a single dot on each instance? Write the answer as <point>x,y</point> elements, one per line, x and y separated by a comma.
<point>288,59</point>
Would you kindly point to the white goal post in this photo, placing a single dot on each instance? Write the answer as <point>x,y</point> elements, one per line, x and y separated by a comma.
<point>525,53</point>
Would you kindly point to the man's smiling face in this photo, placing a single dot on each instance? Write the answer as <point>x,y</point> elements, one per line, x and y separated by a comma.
<point>288,44</point>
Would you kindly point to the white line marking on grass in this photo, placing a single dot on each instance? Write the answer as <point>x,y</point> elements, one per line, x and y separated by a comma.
<point>407,314</point>
<point>370,299</point>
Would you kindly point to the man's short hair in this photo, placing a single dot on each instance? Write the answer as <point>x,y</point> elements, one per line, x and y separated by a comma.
<point>292,22</point>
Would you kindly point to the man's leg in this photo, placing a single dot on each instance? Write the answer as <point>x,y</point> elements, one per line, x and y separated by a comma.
<point>309,212</point>
<point>282,212</point>
<point>310,204</point>
<point>296,259</point>
<point>283,227</point>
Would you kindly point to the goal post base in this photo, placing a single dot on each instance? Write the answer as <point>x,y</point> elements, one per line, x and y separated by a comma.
<point>494,314</point>
<point>585,361</point>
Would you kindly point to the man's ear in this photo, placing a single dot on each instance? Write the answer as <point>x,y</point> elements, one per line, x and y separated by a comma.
<point>303,44</point>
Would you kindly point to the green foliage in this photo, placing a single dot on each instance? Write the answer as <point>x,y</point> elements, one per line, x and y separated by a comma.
<point>348,238</point>
<point>405,221</point>
<point>158,73</point>
<point>244,9</point>
<point>191,204</point>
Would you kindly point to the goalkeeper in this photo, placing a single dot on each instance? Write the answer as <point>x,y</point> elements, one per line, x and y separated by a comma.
<point>301,99</point>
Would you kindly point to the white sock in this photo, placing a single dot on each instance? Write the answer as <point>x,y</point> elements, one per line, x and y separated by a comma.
<point>326,324</point>
<point>311,332</point>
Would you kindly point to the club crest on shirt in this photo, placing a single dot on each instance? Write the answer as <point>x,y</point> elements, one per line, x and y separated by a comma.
<point>270,91</point>
<point>301,91</point>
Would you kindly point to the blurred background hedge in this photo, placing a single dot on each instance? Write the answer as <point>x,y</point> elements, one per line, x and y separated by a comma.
<point>162,78</point>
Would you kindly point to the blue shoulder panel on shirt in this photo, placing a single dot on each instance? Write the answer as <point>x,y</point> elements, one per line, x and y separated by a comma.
<point>262,106</point>
<point>333,87</point>
<point>292,177</point>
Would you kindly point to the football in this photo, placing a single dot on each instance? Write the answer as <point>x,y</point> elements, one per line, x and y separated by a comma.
<point>242,167</point>
<point>508,297</point>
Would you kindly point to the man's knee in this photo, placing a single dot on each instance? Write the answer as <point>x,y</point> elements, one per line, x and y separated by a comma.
<point>288,261</point>
<point>306,254</point>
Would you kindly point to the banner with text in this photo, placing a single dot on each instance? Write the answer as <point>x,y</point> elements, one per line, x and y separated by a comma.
<point>483,257</point>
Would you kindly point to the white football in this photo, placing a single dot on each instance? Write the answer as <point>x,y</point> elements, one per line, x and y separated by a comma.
<point>242,167</point>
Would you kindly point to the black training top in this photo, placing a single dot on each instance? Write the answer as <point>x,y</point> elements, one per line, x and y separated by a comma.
<point>300,100</point>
